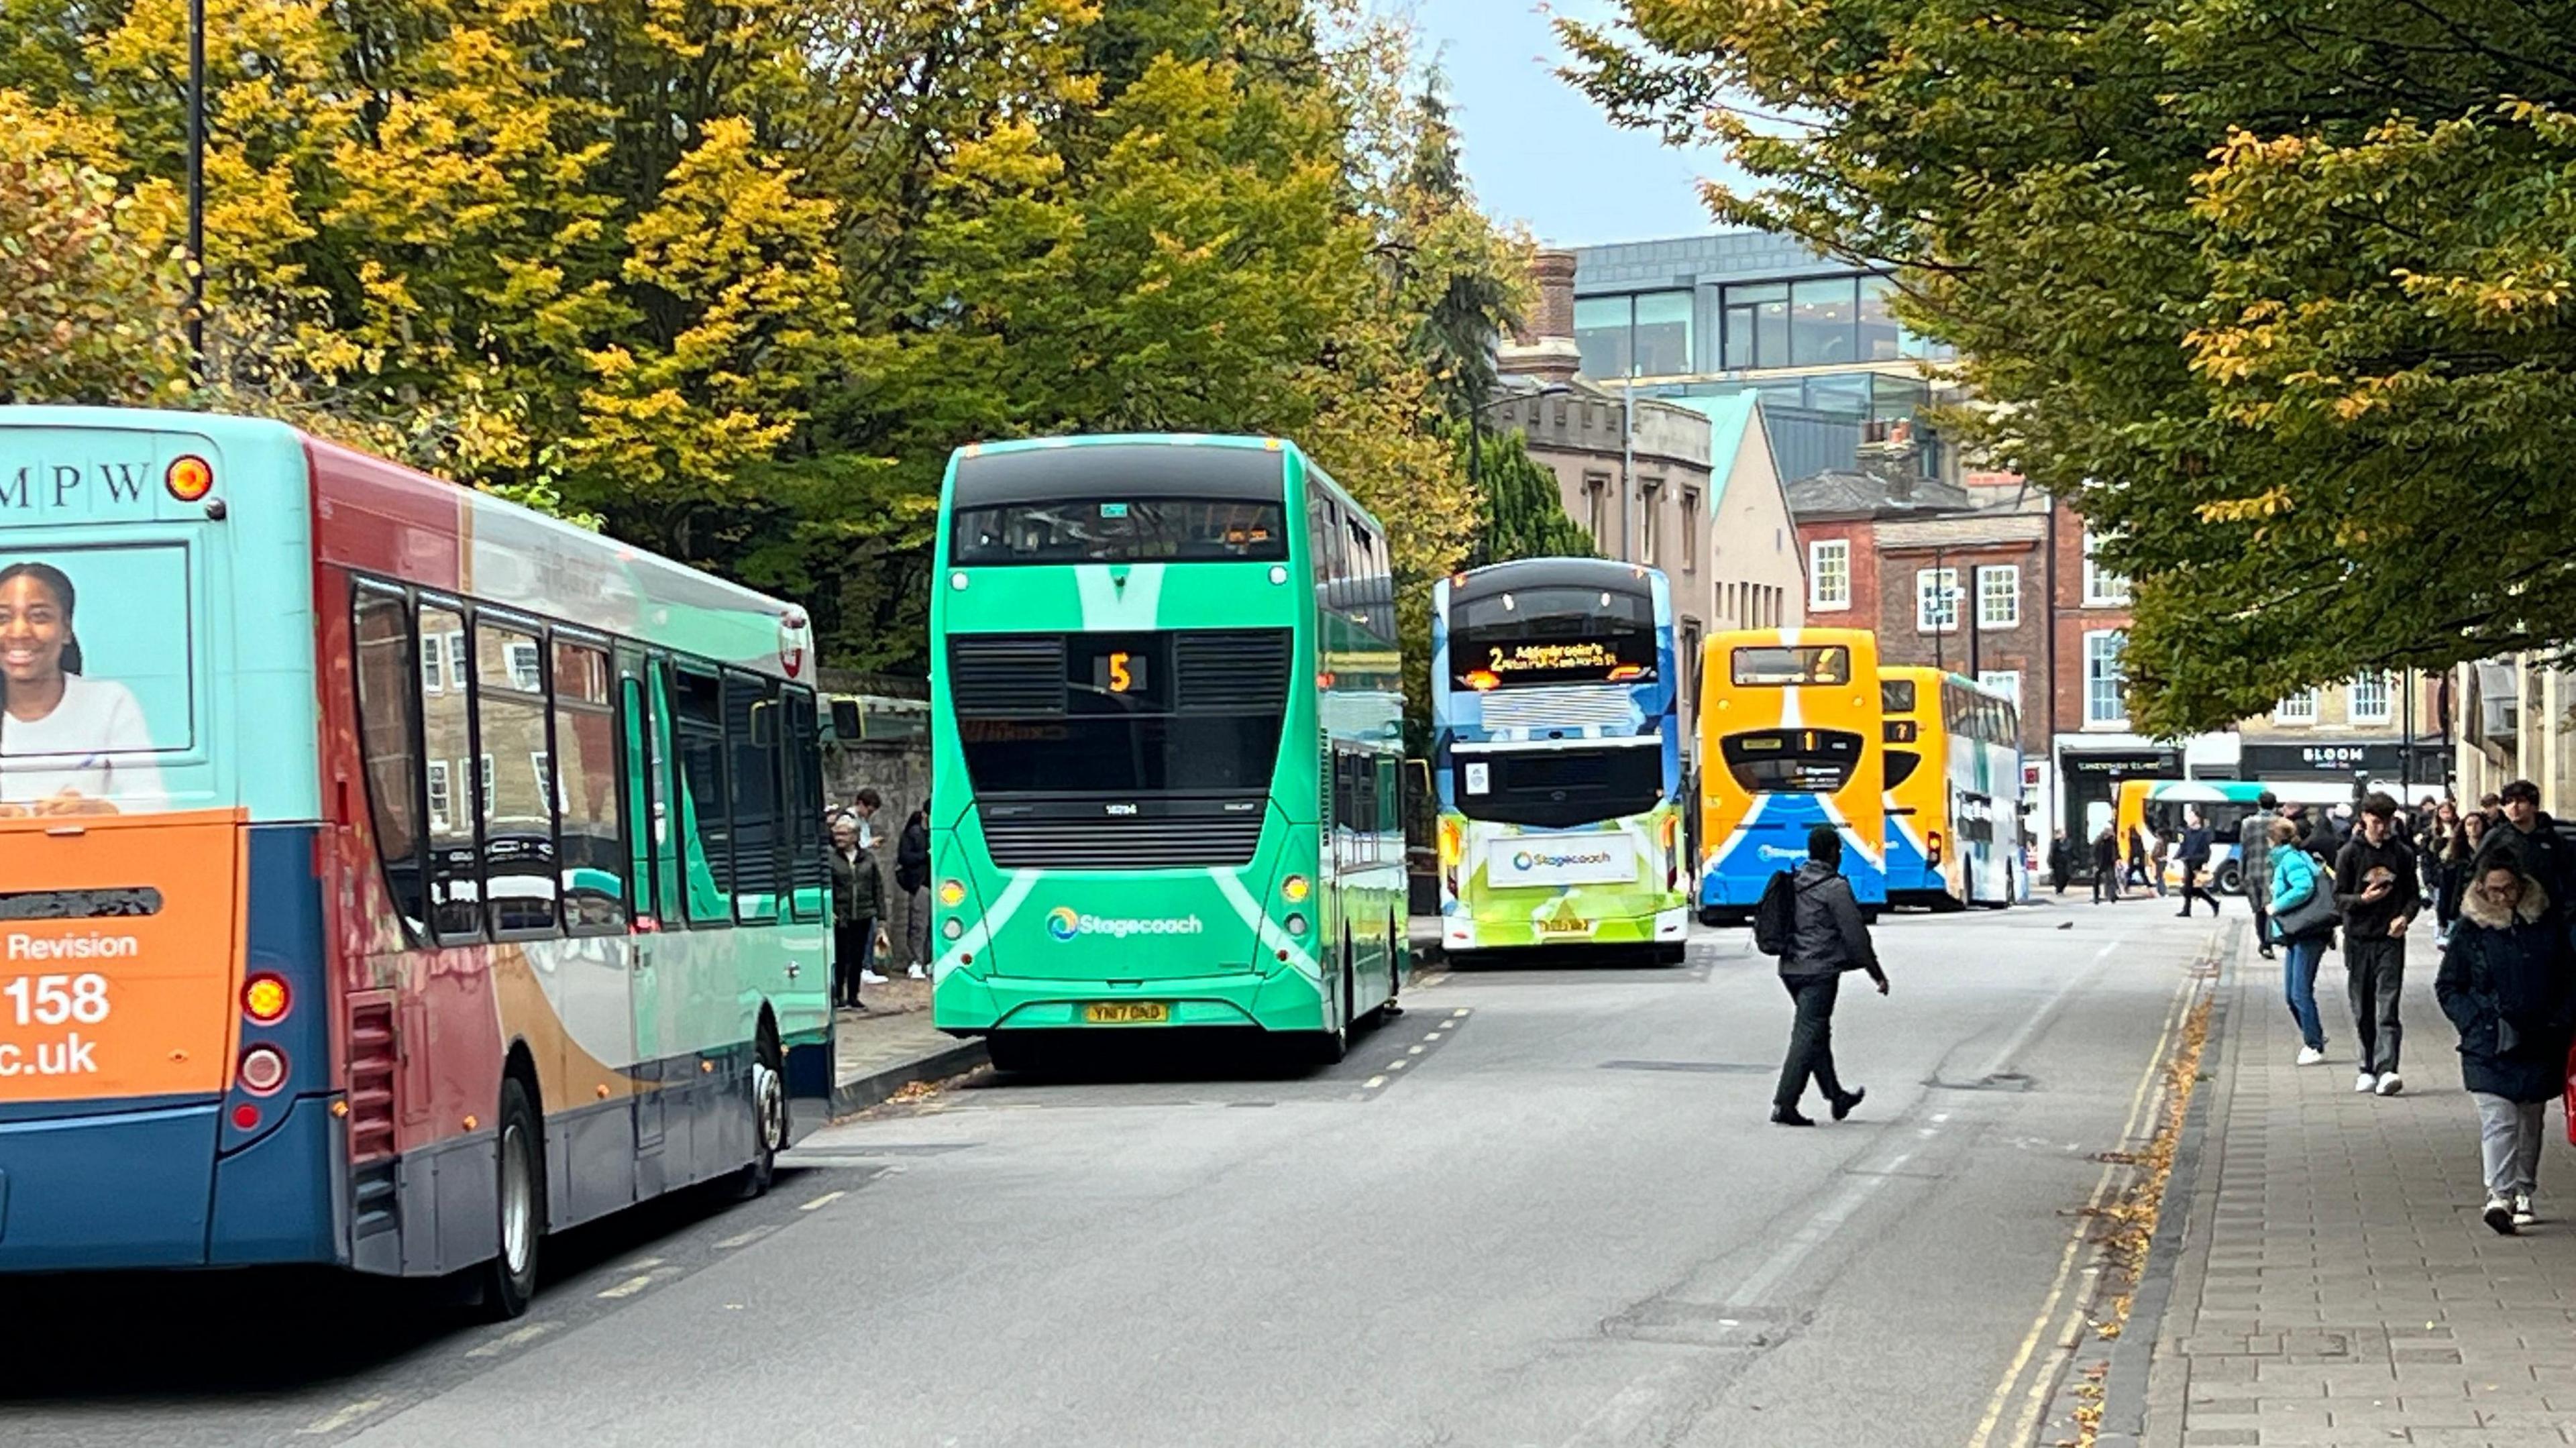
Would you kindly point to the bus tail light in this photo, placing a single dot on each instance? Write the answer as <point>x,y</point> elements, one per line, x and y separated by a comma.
<point>263,1070</point>
<point>1295,889</point>
<point>1672,852</point>
<point>189,479</point>
<point>1932,848</point>
<point>266,1000</point>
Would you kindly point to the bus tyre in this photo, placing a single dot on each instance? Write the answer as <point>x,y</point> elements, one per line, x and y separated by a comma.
<point>510,1280</point>
<point>1334,1041</point>
<point>769,1120</point>
<point>1014,1051</point>
<point>2231,879</point>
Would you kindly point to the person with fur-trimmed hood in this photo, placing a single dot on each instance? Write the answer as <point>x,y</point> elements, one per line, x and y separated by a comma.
<point>2508,982</point>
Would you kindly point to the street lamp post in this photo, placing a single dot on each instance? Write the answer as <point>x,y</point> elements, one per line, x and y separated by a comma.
<point>197,188</point>
<point>1628,466</point>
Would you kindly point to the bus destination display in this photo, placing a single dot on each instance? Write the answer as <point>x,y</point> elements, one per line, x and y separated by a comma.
<point>1627,658</point>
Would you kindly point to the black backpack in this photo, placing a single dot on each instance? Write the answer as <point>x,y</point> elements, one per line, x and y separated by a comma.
<point>1775,915</point>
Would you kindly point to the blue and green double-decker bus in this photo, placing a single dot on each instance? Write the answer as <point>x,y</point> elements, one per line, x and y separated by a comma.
<point>1166,725</point>
<point>1557,758</point>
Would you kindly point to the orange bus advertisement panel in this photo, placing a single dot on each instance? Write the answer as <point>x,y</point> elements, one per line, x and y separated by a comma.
<point>119,938</point>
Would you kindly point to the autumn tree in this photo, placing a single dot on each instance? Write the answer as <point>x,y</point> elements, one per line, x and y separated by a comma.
<point>2277,296</point>
<point>93,286</point>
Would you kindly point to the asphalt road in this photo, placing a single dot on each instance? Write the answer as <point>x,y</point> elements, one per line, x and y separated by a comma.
<point>1543,1206</point>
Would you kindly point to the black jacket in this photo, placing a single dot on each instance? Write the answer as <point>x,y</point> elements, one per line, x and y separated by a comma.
<point>2195,846</point>
<point>912,856</point>
<point>2369,920</point>
<point>2509,984</point>
<point>2061,858</point>
<point>2545,855</point>
<point>2106,851</point>
<point>1830,937</point>
<point>858,887</point>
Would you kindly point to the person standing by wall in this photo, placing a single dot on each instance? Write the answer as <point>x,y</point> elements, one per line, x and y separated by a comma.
<point>2375,883</point>
<point>2508,984</point>
<point>854,926</point>
<point>2254,865</point>
<point>2061,862</point>
<point>2106,866</point>
<point>1829,938</point>
<point>912,878</point>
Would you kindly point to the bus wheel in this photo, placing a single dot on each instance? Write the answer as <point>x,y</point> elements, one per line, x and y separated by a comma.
<point>1014,1051</point>
<point>1334,1041</point>
<point>510,1282</point>
<point>769,1124</point>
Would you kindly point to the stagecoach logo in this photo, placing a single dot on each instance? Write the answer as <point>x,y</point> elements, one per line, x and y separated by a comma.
<point>1559,860</point>
<point>1064,924</point>
<point>1780,853</point>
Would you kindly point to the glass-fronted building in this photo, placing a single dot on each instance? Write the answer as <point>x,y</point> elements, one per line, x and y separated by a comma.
<point>1715,315</point>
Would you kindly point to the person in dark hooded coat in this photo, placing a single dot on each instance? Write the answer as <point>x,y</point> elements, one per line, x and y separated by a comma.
<point>2508,982</point>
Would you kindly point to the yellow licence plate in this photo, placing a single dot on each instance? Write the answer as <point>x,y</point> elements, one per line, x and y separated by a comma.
<point>1127,1013</point>
<point>1564,927</point>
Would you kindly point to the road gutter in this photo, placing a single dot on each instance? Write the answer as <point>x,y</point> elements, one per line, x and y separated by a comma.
<point>853,1096</point>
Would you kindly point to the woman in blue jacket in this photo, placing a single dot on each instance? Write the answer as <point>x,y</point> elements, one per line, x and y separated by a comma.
<point>2296,876</point>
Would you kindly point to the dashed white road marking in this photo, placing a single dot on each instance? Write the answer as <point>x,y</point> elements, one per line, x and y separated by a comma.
<point>335,1421</point>
<point>515,1337</point>
<point>628,1288</point>
<point>1414,1051</point>
<point>825,1200</point>
<point>1395,1065</point>
<point>745,1239</point>
<point>1373,1083</point>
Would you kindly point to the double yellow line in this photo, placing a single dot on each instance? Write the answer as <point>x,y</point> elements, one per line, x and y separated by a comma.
<point>2142,1105</point>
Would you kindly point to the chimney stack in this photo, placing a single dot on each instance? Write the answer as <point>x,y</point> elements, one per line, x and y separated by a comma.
<point>1894,460</point>
<point>1543,345</point>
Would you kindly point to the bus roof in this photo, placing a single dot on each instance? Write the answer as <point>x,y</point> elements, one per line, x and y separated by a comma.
<point>1130,464</point>
<point>1496,578</point>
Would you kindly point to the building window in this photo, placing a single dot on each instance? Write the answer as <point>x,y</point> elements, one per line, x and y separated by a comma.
<point>2370,699</point>
<point>1663,335</point>
<point>1756,323</point>
<point>1596,494</point>
<point>2298,708</point>
<point>1690,530</point>
<point>1824,321</point>
<point>1829,574</point>
<point>1601,334</point>
<point>1936,600</point>
<point>1999,597</point>
<point>2101,586</point>
<point>1650,504</point>
<point>2004,681</point>
<point>1689,662</point>
<point>1881,339</point>
<point>2106,683</point>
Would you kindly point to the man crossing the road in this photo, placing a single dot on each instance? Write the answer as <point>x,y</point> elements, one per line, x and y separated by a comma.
<point>1830,937</point>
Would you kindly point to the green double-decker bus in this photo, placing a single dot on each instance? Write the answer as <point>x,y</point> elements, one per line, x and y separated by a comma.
<point>1166,733</point>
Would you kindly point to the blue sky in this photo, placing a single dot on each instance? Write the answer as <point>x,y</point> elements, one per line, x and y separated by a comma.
<point>1538,150</point>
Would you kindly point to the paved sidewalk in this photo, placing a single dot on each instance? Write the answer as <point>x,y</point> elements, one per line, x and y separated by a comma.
<point>2335,1285</point>
<point>891,1045</point>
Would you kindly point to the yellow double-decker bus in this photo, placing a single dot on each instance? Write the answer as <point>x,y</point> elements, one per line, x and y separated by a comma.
<point>1789,739</point>
<point>1953,790</point>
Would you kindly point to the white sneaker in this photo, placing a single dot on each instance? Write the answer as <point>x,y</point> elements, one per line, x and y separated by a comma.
<point>2390,1083</point>
<point>2365,1082</point>
<point>2522,1214</point>
<point>2310,1055</point>
<point>2499,1215</point>
<point>917,973</point>
<point>870,977</point>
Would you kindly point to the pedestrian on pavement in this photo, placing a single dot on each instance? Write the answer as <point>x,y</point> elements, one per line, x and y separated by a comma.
<point>2294,878</point>
<point>2546,856</point>
<point>2375,883</point>
<point>2432,837</point>
<point>855,887</point>
<point>872,893</point>
<point>2106,866</point>
<point>2138,857</point>
<point>2061,862</point>
<point>2193,852</point>
<point>912,879</point>
<point>2254,865</point>
<point>2491,804</point>
<point>1829,938</point>
<point>2508,983</point>
<point>2458,872</point>
<point>2157,859</point>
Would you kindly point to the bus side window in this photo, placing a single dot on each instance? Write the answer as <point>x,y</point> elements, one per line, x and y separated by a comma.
<point>809,878</point>
<point>520,884</point>
<point>703,828</point>
<point>589,797</point>
<point>388,680</point>
<point>752,734</point>
<point>646,837</point>
<point>447,735</point>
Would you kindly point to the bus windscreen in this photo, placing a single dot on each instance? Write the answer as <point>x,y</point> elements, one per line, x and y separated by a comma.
<point>1792,761</point>
<point>1552,635</point>
<point>1781,667</point>
<point>1120,530</point>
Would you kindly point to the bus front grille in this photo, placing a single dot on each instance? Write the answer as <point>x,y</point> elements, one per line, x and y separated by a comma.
<point>1139,842</point>
<point>1603,705</point>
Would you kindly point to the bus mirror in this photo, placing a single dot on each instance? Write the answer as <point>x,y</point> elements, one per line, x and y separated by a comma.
<point>845,718</point>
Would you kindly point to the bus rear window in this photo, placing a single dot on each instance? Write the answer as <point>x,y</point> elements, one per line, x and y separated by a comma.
<point>1558,787</point>
<point>1780,667</point>
<point>1895,696</point>
<point>97,645</point>
<point>1792,761</point>
<point>1113,530</point>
